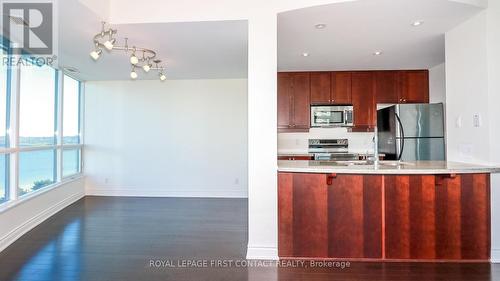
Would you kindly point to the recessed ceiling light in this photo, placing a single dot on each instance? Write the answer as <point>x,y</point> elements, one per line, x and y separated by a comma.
<point>320,26</point>
<point>305,54</point>
<point>417,23</point>
<point>377,53</point>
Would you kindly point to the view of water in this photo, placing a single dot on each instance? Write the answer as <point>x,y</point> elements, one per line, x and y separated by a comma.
<point>36,169</point>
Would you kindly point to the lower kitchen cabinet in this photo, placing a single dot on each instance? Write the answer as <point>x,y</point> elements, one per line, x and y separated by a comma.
<point>437,217</point>
<point>355,216</point>
<point>387,217</point>
<point>295,157</point>
<point>327,216</point>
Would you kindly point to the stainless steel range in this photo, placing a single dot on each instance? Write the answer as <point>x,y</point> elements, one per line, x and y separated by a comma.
<point>331,149</point>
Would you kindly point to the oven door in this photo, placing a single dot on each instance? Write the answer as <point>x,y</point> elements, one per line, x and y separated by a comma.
<point>328,116</point>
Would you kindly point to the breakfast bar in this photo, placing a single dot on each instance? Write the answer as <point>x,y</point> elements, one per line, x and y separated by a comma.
<point>388,211</point>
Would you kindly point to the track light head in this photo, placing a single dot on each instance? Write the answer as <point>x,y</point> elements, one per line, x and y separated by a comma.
<point>96,54</point>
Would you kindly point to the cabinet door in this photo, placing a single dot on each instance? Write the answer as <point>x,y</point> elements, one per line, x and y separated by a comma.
<point>387,86</point>
<point>320,87</point>
<point>415,86</point>
<point>363,99</point>
<point>437,217</point>
<point>301,101</point>
<point>292,157</point>
<point>410,224</point>
<point>341,87</point>
<point>355,217</point>
<point>463,217</point>
<point>302,215</point>
<point>285,89</point>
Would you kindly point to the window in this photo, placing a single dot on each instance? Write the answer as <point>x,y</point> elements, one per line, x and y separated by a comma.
<point>71,111</point>
<point>3,101</point>
<point>37,106</point>
<point>48,102</point>
<point>36,170</point>
<point>71,162</point>
<point>4,180</point>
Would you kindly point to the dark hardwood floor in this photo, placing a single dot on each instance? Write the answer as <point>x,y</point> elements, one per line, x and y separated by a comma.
<point>116,238</point>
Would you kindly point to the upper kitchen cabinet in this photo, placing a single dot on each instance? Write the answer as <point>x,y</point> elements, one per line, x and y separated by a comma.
<point>320,88</point>
<point>331,87</point>
<point>341,90</point>
<point>405,86</point>
<point>293,101</point>
<point>363,100</point>
<point>415,86</point>
<point>387,86</point>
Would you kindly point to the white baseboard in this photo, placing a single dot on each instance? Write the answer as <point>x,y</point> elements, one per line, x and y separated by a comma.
<point>19,231</point>
<point>262,253</point>
<point>223,193</point>
<point>495,255</point>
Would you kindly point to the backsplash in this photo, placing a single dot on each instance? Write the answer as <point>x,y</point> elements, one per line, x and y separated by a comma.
<point>298,142</point>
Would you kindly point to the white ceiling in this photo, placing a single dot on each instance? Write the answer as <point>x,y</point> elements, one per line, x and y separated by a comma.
<point>193,50</point>
<point>355,30</point>
<point>218,49</point>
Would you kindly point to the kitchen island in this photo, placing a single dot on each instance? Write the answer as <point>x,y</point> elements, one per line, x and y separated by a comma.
<point>394,211</point>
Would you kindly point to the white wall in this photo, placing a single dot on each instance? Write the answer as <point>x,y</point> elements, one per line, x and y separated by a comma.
<point>173,138</point>
<point>437,84</point>
<point>29,212</point>
<point>493,31</point>
<point>472,71</point>
<point>467,91</point>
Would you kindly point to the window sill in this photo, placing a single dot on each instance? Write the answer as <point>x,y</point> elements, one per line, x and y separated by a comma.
<point>12,203</point>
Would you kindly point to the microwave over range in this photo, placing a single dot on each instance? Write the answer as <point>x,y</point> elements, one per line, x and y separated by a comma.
<point>331,116</point>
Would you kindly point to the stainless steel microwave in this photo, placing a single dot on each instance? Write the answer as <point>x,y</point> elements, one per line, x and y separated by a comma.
<point>331,116</point>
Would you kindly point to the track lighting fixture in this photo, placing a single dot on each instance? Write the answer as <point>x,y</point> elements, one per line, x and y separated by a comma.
<point>143,62</point>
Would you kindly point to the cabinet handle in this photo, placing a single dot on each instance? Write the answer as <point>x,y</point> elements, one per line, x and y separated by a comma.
<point>329,178</point>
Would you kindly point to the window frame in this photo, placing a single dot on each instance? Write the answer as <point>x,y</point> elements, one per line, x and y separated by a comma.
<point>60,141</point>
<point>13,149</point>
<point>8,79</point>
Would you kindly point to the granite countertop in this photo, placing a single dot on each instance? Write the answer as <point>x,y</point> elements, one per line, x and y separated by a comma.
<point>385,167</point>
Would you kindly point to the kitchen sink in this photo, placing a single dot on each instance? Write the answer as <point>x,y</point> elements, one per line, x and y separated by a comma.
<point>394,163</point>
<point>353,163</point>
<point>370,163</point>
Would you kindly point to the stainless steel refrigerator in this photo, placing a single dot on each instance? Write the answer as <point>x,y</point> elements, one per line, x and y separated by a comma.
<point>411,132</point>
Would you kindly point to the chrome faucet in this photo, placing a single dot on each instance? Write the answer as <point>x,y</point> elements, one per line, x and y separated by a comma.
<point>375,146</point>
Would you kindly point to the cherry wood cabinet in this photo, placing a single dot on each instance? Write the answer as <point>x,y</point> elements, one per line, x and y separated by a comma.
<point>415,86</point>
<point>363,100</point>
<point>295,157</point>
<point>402,86</point>
<point>437,217</point>
<point>387,86</point>
<point>327,216</point>
<point>293,101</point>
<point>363,89</point>
<point>331,87</point>
<point>386,217</point>
<point>285,91</point>
<point>355,216</point>
<point>341,87</point>
<point>320,88</point>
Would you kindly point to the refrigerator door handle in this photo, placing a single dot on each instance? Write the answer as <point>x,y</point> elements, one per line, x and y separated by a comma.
<point>402,136</point>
